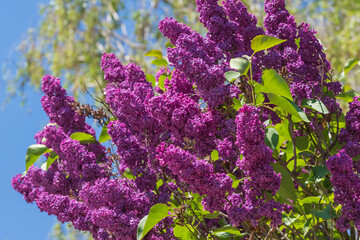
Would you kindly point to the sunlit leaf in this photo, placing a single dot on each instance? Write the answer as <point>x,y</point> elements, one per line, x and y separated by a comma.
<point>240,64</point>
<point>83,137</point>
<point>352,62</point>
<point>154,53</point>
<point>272,82</point>
<point>214,155</point>
<point>33,153</point>
<point>231,75</point>
<point>159,62</point>
<point>157,213</point>
<point>289,106</point>
<point>315,104</point>
<point>271,137</point>
<point>104,136</point>
<point>262,42</point>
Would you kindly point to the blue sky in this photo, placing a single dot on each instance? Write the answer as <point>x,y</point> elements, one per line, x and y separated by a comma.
<point>18,125</point>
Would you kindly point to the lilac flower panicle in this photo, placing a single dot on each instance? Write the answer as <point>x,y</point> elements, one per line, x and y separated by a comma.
<point>347,189</point>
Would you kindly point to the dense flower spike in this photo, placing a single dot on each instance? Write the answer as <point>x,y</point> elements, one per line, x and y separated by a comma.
<point>257,170</point>
<point>347,185</point>
<point>199,174</point>
<point>203,145</point>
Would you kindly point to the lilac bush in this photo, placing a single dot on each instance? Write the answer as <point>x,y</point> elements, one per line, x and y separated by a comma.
<point>238,136</point>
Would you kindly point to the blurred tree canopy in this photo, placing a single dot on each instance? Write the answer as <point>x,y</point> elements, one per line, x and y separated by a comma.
<point>68,232</point>
<point>73,34</point>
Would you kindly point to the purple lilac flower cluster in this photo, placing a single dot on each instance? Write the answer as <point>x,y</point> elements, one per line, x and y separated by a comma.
<point>346,184</point>
<point>78,187</point>
<point>305,61</point>
<point>198,174</point>
<point>258,173</point>
<point>170,134</point>
<point>351,134</point>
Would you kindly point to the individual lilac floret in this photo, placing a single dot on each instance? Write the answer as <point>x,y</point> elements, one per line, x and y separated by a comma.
<point>347,189</point>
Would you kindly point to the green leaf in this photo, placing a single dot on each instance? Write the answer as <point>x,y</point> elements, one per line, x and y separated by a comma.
<point>53,156</point>
<point>271,137</point>
<point>83,137</point>
<point>231,75</point>
<point>157,213</point>
<point>312,200</point>
<point>306,227</point>
<point>159,183</point>
<point>182,233</point>
<point>289,106</point>
<point>168,44</point>
<point>212,215</point>
<point>347,96</point>
<point>154,53</point>
<point>287,187</point>
<point>301,143</point>
<point>262,42</point>
<point>283,130</point>
<point>240,64</point>
<point>299,163</point>
<point>288,220</point>
<point>272,82</point>
<point>348,66</point>
<point>237,104</point>
<point>214,155</point>
<point>315,104</point>
<point>159,62</point>
<point>259,98</point>
<point>327,213</point>
<point>104,136</point>
<point>161,82</point>
<point>228,229</point>
<point>297,42</point>
<point>318,173</point>
<point>301,220</point>
<point>150,78</point>
<point>128,174</point>
<point>235,182</point>
<point>33,153</point>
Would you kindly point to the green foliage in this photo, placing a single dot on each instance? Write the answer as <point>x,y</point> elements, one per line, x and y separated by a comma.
<point>157,213</point>
<point>83,138</point>
<point>315,104</point>
<point>271,137</point>
<point>262,42</point>
<point>104,136</point>
<point>272,82</point>
<point>52,157</point>
<point>240,64</point>
<point>33,153</point>
<point>289,106</point>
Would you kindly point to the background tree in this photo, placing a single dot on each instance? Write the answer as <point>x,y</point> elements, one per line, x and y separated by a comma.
<point>73,34</point>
